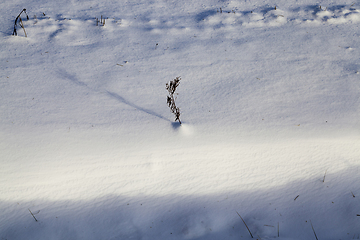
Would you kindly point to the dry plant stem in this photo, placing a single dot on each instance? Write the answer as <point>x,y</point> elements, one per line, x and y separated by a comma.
<point>324,176</point>
<point>313,230</point>
<point>101,21</point>
<point>245,225</point>
<point>33,215</point>
<point>171,88</point>
<point>22,25</point>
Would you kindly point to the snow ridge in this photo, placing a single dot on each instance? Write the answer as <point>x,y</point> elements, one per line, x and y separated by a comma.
<point>217,18</point>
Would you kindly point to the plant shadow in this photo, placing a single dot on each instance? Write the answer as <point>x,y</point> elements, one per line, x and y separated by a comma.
<point>175,125</point>
<point>201,16</point>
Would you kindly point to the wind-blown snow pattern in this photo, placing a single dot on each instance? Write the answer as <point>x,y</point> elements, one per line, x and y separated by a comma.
<point>269,100</point>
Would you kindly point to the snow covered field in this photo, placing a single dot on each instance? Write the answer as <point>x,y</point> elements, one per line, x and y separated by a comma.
<point>269,98</point>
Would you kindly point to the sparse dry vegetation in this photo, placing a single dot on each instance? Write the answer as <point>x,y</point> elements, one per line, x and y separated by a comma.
<point>171,88</point>
<point>20,22</point>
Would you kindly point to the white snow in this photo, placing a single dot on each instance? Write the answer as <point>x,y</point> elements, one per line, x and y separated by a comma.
<point>269,101</point>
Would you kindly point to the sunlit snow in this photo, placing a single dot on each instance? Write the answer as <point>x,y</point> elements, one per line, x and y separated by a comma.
<point>269,99</point>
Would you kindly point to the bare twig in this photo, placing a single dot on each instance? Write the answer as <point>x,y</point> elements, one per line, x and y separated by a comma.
<point>21,23</point>
<point>352,194</point>
<point>324,175</point>
<point>245,225</point>
<point>296,197</point>
<point>313,230</point>
<point>32,215</point>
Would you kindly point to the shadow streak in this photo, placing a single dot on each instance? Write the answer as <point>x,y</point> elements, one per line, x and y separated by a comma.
<point>201,16</point>
<point>196,216</point>
<point>123,100</point>
<point>74,79</point>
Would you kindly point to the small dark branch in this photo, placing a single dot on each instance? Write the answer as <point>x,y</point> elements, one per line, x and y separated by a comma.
<point>324,176</point>
<point>245,225</point>
<point>352,194</point>
<point>313,230</point>
<point>22,25</point>
<point>278,229</point>
<point>101,21</point>
<point>358,215</point>
<point>296,197</point>
<point>32,215</point>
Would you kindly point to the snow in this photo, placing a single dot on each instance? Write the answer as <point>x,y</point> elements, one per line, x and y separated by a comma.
<point>269,101</point>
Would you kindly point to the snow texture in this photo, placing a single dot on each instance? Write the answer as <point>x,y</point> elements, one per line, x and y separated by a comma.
<point>269,100</point>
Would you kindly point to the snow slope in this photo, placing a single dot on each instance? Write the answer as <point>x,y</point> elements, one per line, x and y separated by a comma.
<point>269,101</point>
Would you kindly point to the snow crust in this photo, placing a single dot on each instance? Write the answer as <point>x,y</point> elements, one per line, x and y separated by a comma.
<point>269,101</point>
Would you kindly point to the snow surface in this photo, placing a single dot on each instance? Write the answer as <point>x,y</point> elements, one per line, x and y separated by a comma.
<point>269,102</point>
